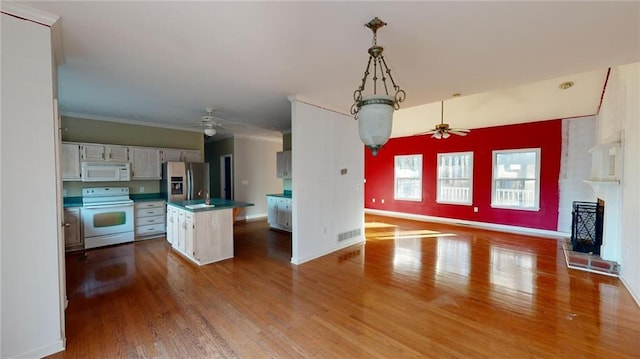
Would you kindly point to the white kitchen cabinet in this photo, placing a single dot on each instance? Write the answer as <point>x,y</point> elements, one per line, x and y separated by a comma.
<point>191,156</point>
<point>70,161</point>
<point>145,163</point>
<point>149,219</point>
<point>73,240</point>
<point>170,225</point>
<point>283,164</point>
<point>92,152</point>
<point>279,212</point>
<point>116,153</point>
<point>204,237</point>
<point>100,152</point>
<point>171,155</point>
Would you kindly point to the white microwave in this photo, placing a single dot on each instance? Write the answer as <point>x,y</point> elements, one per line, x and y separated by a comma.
<point>105,171</point>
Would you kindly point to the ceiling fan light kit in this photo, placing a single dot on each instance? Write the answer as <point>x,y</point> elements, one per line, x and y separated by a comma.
<point>442,130</point>
<point>374,113</point>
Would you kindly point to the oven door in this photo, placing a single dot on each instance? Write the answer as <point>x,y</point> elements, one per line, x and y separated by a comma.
<point>102,220</point>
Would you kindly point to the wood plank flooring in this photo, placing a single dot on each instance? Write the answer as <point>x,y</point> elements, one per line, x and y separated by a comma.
<point>415,289</point>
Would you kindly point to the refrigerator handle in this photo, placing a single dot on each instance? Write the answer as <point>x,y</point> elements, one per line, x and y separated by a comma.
<point>189,185</point>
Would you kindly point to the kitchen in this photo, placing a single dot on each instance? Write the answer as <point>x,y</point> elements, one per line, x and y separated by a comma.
<point>253,166</point>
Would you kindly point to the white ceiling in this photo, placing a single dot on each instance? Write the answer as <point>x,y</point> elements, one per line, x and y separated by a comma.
<point>164,62</point>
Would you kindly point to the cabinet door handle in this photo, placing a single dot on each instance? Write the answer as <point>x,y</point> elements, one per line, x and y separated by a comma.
<point>67,224</point>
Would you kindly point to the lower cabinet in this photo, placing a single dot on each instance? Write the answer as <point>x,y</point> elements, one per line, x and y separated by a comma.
<point>279,212</point>
<point>73,239</point>
<point>149,219</point>
<point>203,237</point>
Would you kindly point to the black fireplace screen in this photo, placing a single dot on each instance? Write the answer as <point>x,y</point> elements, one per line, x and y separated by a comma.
<point>586,226</point>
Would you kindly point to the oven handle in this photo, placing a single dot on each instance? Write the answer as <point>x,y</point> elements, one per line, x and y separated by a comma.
<point>109,205</point>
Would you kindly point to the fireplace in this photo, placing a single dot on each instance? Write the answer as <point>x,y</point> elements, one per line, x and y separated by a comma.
<point>587,226</point>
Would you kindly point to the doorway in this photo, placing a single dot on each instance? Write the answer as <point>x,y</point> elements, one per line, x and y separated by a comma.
<point>226,177</point>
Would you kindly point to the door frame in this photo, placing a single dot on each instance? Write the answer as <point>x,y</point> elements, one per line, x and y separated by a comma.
<point>223,174</point>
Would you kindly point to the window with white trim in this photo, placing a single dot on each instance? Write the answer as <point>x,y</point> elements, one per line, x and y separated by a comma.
<point>455,178</point>
<point>408,177</point>
<point>516,179</point>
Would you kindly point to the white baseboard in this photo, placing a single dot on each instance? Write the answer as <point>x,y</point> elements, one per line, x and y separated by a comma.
<point>253,217</point>
<point>634,295</point>
<point>43,351</point>
<point>483,225</point>
<point>298,261</point>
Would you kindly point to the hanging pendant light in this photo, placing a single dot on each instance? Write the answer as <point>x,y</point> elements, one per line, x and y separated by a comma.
<point>375,112</point>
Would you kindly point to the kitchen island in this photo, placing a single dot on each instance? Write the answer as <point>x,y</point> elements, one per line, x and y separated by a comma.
<point>203,233</point>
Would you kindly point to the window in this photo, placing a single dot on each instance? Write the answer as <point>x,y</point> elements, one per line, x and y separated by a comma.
<point>516,179</point>
<point>455,178</point>
<point>408,177</point>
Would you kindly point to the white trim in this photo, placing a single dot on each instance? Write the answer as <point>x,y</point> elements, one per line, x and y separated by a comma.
<point>29,13</point>
<point>633,294</point>
<point>483,225</point>
<point>57,44</point>
<point>43,351</point>
<point>84,116</point>
<point>252,217</point>
<point>297,261</point>
<point>395,177</point>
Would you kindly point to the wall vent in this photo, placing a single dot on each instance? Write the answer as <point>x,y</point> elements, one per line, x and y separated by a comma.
<point>348,235</point>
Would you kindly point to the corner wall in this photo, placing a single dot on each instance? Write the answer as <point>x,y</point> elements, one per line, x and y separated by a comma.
<point>620,112</point>
<point>31,311</point>
<point>254,173</point>
<point>325,202</point>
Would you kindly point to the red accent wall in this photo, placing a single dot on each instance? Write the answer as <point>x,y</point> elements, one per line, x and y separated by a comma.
<point>546,135</point>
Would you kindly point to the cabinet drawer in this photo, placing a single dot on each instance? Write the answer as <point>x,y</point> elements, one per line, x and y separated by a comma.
<point>150,229</point>
<point>149,212</point>
<point>154,204</point>
<point>144,221</point>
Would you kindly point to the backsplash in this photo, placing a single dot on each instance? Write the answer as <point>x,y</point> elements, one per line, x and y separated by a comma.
<point>74,188</point>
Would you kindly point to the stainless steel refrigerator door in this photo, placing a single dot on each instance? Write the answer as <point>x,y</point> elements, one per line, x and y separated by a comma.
<point>199,179</point>
<point>176,181</point>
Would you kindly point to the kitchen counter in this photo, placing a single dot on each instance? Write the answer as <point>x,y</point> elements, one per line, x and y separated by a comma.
<point>218,204</point>
<point>281,195</point>
<point>147,197</point>
<point>68,202</point>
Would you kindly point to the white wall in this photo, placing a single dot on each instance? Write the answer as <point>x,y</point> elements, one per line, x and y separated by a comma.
<point>325,202</point>
<point>578,136</point>
<point>254,167</point>
<point>620,112</point>
<point>31,303</point>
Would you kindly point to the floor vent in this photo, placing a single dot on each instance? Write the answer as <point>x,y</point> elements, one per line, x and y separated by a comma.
<point>348,235</point>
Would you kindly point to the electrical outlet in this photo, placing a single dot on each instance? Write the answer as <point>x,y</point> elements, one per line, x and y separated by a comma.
<point>373,200</point>
<point>475,209</point>
<point>382,200</point>
<point>141,189</point>
<point>245,182</point>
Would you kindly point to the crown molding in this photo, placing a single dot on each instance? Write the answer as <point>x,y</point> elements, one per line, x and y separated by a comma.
<point>85,116</point>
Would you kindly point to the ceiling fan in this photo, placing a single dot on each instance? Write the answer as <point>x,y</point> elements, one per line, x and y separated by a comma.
<point>442,129</point>
<point>209,123</point>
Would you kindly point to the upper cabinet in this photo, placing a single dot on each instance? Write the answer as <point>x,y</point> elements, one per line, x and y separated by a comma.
<point>169,154</point>
<point>191,156</point>
<point>283,161</point>
<point>98,152</point>
<point>70,161</point>
<point>145,163</point>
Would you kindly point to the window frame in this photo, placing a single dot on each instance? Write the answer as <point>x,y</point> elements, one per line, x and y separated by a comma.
<point>494,156</point>
<point>419,178</point>
<point>439,180</point>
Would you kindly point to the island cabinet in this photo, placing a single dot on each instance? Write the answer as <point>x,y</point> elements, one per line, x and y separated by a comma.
<point>203,237</point>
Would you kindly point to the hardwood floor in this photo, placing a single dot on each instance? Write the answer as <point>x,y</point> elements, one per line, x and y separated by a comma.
<point>414,289</point>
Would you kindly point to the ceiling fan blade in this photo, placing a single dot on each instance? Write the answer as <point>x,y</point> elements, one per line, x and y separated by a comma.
<point>459,132</point>
<point>425,133</point>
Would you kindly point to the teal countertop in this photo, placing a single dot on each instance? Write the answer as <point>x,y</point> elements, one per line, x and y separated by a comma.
<point>146,197</point>
<point>281,195</point>
<point>218,203</point>
<point>68,202</point>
